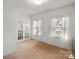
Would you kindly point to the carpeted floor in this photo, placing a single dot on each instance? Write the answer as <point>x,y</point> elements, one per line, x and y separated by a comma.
<point>32,49</point>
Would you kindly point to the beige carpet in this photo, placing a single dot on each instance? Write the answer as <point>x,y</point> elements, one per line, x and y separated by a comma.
<point>32,49</point>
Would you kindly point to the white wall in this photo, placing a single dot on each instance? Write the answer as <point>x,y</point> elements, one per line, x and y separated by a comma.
<point>46,19</point>
<point>9,28</point>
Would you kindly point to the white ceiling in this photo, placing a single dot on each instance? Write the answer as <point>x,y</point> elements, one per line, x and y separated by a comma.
<point>23,7</point>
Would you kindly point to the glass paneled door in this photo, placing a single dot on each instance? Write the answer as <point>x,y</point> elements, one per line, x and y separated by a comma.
<point>23,28</point>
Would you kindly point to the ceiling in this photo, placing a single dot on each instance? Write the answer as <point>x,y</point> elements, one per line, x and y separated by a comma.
<point>23,7</point>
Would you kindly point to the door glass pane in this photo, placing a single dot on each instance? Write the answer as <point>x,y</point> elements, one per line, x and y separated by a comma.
<point>20,30</point>
<point>27,28</point>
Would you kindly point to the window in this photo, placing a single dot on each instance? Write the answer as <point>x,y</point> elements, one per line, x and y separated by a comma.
<point>37,27</point>
<point>58,26</point>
